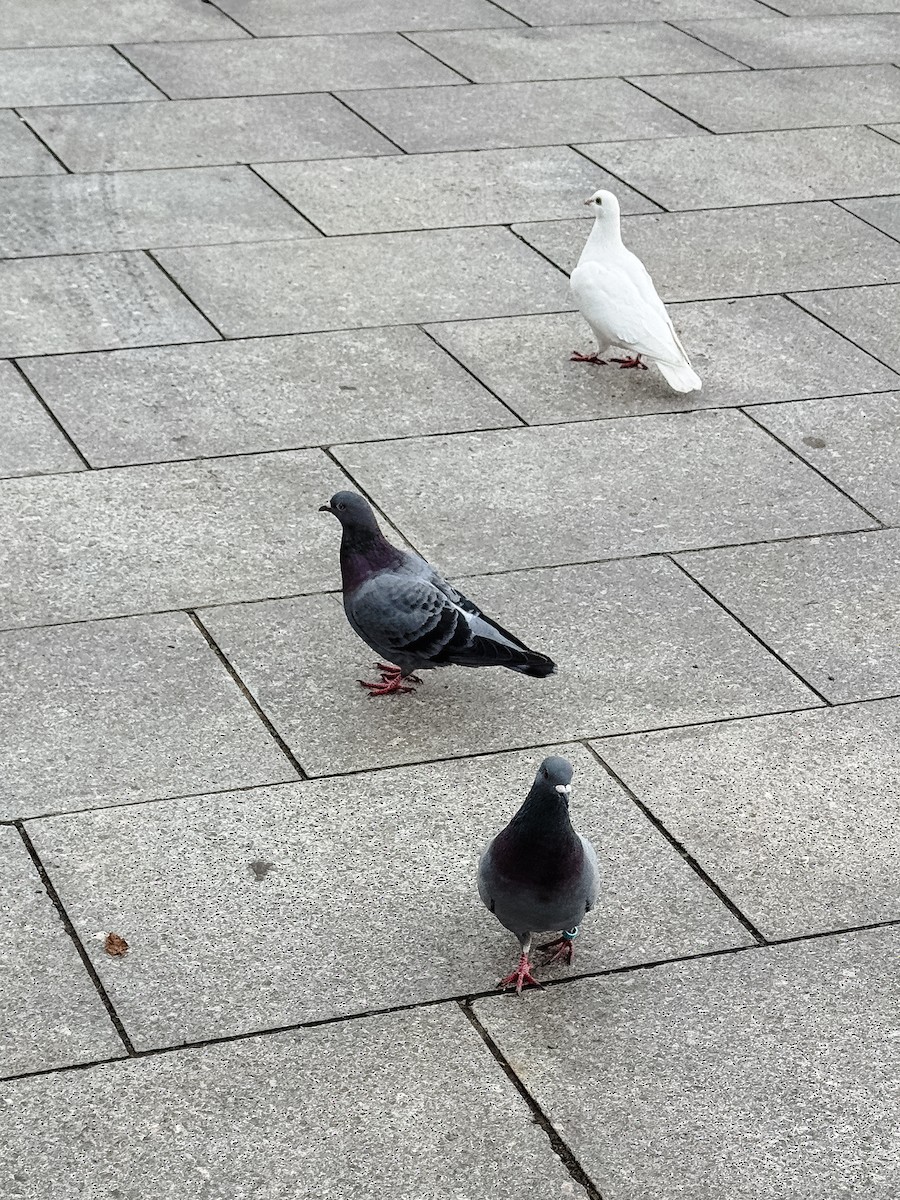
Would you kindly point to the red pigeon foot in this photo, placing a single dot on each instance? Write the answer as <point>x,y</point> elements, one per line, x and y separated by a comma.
<point>560,949</point>
<point>625,363</point>
<point>386,686</point>
<point>520,977</point>
<point>589,358</point>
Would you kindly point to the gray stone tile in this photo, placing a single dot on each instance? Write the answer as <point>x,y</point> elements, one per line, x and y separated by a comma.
<point>133,210</point>
<point>31,442</point>
<point>114,711</point>
<point>92,302</point>
<point>20,151</point>
<point>51,23</point>
<point>827,606</point>
<point>783,100</point>
<point>590,12</point>
<point>427,1109</point>
<point>866,315</point>
<point>804,41</point>
<point>747,351</point>
<point>196,133</point>
<point>263,66</point>
<point>266,18</point>
<point>69,75</point>
<point>883,212</point>
<point>854,441</point>
<point>264,394</point>
<point>572,52</point>
<point>739,252</point>
<point>107,543</point>
<point>388,279</point>
<point>198,934</point>
<point>630,487</point>
<point>789,99</point>
<point>638,646</point>
<point>761,168</point>
<point>749,1076</point>
<point>514,114</point>
<point>794,816</point>
<point>50,1013</point>
<point>428,191</point>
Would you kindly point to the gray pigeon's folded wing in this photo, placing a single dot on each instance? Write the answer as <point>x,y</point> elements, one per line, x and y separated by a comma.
<point>404,615</point>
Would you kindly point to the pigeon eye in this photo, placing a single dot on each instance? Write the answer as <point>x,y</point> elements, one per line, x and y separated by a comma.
<point>342,506</point>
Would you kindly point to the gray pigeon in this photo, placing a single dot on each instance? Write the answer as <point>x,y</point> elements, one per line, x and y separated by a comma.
<point>409,615</point>
<point>538,873</point>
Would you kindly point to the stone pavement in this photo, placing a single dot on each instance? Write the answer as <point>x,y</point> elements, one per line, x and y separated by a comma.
<point>255,251</point>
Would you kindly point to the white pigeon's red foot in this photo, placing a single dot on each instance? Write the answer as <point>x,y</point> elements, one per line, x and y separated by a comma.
<point>392,681</point>
<point>590,358</point>
<point>520,977</point>
<point>560,949</point>
<point>633,361</point>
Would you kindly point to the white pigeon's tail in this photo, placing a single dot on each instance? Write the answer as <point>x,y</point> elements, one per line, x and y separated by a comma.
<point>682,378</point>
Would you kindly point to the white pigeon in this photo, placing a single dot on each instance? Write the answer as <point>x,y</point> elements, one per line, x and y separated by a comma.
<point>616,296</point>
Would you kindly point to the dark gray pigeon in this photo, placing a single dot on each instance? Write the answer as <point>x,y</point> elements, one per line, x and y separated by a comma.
<point>538,873</point>
<point>409,615</point>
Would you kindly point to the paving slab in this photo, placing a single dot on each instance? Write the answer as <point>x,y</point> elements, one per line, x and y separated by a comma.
<point>742,1077</point>
<point>115,711</point>
<point>866,315</point>
<point>428,191</point>
<point>133,210</point>
<point>637,644</point>
<point>761,168</point>
<point>31,444</point>
<point>92,302</point>
<point>794,816</point>
<point>265,18</point>
<point>739,252</point>
<point>729,102</point>
<point>384,279</point>
<point>108,543</point>
<point>572,52</point>
<point>662,483</point>
<point>20,151</point>
<point>263,394</point>
<point>50,1013</point>
<point>431,1111</point>
<point>827,606</point>
<point>589,12</point>
<point>811,8</point>
<point>883,212</point>
<point>891,131</point>
<point>747,351</point>
<point>70,75</point>
<point>262,66</point>
<point>197,133</point>
<point>254,887</point>
<point>854,441</point>
<point>514,114</point>
<point>805,41</point>
<point>75,22</point>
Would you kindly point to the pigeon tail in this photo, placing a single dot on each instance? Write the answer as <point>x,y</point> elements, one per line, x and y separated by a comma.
<point>538,666</point>
<point>682,378</point>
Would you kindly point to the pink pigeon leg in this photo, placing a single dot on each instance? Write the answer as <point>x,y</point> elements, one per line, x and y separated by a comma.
<point>632,361</point>
<point>588,358</point>
<point>559,950</point>
<point>520,977</point>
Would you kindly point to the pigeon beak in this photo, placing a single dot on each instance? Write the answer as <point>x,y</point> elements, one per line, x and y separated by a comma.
<point>325,508</point>
<point>590,200</point>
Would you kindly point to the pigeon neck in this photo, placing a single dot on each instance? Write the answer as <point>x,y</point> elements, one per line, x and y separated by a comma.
<point>605,235</point>
<point>539,844</point>
<point>364,550</point>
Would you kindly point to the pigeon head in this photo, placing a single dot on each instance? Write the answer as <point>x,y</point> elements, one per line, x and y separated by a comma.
<point>554,775</point>
<point>351,510</point>
<point>604,206</point>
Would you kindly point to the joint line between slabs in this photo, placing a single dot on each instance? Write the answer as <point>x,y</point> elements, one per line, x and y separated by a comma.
<point>121,53</point>
<point>558,1144</point>
<point>359,116</point>
<point>743,624</point>
<point>54,418</point>
<point>841,203</point>
<point>837,487</point>
<point>408,39</point>
<point>472,375</point>
<point>281,196</point>
<point>791,298</point>
<point>666,104</point>
<point>619,179</point>
<point>174,282</point>
<point>247,694</point>
<point>709,45</point>
<point>229,17</point>
<point>680,847</point>
<point>69,927</point>
<point>495,4</point>
<point>31,129</point>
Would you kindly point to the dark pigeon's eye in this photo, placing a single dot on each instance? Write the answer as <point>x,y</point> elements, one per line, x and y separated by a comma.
<point>342,505</point>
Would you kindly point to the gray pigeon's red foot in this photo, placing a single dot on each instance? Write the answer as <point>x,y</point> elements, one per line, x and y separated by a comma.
<point>559,950</point>
<point>392,681</point>
<point>591,358</point>
<point>521,977</point>
<point>633,361</point>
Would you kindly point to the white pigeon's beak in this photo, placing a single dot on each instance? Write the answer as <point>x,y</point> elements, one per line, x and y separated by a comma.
<point>590,200</point>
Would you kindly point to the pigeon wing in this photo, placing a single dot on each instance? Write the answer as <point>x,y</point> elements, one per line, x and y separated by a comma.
<point>624,304</point>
